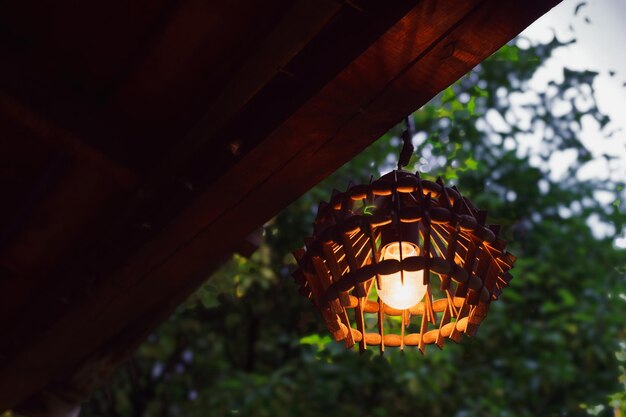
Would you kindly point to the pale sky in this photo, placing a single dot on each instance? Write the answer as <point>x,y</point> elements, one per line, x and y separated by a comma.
<point>599,27</point>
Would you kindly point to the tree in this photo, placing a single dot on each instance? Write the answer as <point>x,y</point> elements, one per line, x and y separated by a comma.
<point>247,344</point>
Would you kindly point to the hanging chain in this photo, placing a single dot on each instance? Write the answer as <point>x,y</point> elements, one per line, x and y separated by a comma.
<point>407,147</point>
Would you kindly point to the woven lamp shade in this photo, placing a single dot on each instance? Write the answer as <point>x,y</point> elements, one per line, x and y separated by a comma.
<point>462,264</point>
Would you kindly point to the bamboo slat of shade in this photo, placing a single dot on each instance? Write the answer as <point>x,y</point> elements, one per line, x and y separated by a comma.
<point>333,266</point>
<point>381,324</point>
<point>349,340</point>
<point>472,321</point>
<point>353,262</point>
<point>360,324</point>
<point>451,250</point>
<point>445,319</point>
<point>402,327</point>
<point>326,281</point>
<point>423,327</point>
<point>481,270</point>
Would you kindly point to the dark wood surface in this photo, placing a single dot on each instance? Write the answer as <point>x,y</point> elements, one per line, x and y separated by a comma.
<point>141,143</point>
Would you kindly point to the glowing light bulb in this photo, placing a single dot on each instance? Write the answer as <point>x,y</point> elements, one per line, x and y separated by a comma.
<point>392,290</point>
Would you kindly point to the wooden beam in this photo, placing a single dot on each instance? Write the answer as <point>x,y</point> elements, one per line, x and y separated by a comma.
<point>74,185</point>
<point>197,52</point>
<point>302,22</point>
<point>426,51</point>
<point>68,142</point>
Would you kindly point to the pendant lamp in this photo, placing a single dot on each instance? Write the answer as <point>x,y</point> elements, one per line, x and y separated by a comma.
<point>402,262</point>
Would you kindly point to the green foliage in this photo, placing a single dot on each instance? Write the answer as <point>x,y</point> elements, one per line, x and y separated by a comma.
<point>247,344</point>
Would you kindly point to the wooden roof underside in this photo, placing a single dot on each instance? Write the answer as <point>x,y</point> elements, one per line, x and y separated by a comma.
<point>136,138</point>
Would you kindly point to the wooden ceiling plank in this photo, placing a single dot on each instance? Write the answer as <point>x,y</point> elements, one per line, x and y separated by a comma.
<point>68,142</point>
<point>294,158</point>
<point>200,38</point>
<point>304,20</point>
<point>83,179</point>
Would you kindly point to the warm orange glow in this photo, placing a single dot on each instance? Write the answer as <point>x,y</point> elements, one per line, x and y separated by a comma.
<point>393,290</point>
